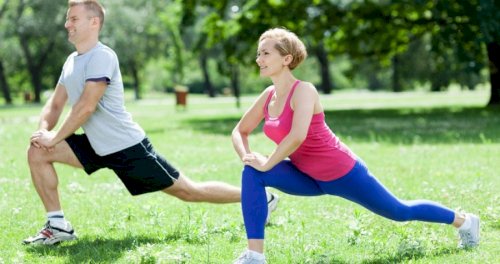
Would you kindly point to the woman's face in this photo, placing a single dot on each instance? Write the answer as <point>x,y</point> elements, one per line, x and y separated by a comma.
<point>270,61</point>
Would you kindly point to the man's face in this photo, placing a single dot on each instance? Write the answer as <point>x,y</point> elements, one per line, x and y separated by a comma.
<point>79,24</point>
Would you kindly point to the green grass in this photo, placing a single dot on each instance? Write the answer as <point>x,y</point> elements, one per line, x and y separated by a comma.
<point>442,147</point>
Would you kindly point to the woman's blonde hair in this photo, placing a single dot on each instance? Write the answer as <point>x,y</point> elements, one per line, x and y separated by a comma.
<point>288,44</point>
<point>92,6</point>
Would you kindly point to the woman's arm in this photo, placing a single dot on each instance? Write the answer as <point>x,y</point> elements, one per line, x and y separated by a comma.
<point>250,120</point>
<point>303,103</point>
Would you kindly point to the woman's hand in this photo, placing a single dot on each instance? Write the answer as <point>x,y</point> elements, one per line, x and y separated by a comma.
<point>256,161</point>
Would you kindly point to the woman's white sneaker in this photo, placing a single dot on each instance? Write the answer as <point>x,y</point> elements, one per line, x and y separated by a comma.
<point>470,236</point>
<point>247,257</point>
<point>272,204</point>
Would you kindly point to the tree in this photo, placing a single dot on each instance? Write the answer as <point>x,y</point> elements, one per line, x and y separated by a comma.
<point>41,37</point>
<point>131,30</point>
<point>196,12</point>
<point>4,85</point>
<point>489,16</point>
<point>462,33</point>
<point>40,32</point>
<point>238,28</point>
<point>221,30</point>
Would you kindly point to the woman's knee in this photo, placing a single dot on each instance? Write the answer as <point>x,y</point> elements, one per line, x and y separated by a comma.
<point>399,213</point>
<point>250,175</point>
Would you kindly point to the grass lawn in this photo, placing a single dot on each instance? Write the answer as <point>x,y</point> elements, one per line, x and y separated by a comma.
<point>443,147</point>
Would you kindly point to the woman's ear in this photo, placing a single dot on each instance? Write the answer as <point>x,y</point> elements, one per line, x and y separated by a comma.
<point>288,59</point>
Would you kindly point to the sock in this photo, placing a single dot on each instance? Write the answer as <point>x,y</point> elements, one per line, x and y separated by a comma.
<point>466,224</point>
<point>256,255</point>
<point>56,219</point>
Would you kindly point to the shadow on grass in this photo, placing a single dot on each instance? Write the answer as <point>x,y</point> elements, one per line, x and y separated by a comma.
<point>97,250</point>
<point>400,257</point>
<point>408,256</point>
<point>396,126</point>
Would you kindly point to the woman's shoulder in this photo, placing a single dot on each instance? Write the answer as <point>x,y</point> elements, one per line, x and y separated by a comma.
<point>265,94</point>
<point>268,90</point>
<point>306,88</point>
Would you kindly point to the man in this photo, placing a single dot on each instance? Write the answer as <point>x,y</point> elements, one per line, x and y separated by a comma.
<point>91,81</point>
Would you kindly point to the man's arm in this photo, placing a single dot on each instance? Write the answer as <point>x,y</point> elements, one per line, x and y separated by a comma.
<point>53,108</point>
<point>78,115</point>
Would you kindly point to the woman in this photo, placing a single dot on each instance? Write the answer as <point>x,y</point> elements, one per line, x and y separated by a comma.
<point>319,163</point>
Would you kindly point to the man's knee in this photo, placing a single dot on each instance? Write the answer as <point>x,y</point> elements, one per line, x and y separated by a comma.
<point>184,190</point>
<point>35,155</point>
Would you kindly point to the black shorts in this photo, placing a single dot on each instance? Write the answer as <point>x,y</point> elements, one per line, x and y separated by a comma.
<point>139,167</point>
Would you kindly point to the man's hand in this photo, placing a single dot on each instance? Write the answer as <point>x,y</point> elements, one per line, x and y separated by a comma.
<point>43,139</point>
<point>257,161</point>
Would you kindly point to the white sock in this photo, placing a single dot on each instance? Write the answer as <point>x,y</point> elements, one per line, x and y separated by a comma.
<point>56,219</point>
<point>466,224</point>
<point>256,255</point>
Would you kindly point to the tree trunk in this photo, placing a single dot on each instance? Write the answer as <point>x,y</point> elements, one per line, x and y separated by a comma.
<point>396,78</point>
<point>326,81</point>
<point>494,65</point>
<point>137,82</point>
<point>235,83</point>
<point>5,85</point>
<point>36,81</point>
<point>206,76</point>
<point>35,64</point>
<point>437,82</point>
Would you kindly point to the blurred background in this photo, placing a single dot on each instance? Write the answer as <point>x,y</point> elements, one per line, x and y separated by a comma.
<point>209,47</point>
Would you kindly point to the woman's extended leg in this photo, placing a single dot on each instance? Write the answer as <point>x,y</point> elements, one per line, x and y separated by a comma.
<point>360,186</point>
<point>363,188</point>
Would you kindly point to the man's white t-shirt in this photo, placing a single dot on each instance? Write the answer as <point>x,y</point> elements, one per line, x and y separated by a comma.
<point>110,128</point>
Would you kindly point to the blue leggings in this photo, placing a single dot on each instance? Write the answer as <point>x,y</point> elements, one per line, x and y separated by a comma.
<point>359,186</point>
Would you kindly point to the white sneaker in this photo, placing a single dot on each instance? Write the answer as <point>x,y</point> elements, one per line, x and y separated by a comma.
<point>272,204</point>
<point>50,235</point>
<point>247,258</point>
<point>470,237</point>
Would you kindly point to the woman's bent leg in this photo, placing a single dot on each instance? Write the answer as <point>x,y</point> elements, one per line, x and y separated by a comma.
<point>284,177</point>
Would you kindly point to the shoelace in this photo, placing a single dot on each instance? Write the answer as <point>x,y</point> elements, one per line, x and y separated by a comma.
<point>47,230</point>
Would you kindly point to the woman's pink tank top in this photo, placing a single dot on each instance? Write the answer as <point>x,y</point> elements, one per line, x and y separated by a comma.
<point>322,155</point>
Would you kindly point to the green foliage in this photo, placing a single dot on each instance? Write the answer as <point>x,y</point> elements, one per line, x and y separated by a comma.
<point>379,44</point>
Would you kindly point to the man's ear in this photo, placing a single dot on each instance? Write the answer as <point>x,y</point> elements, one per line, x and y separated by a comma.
<point>96,21</point>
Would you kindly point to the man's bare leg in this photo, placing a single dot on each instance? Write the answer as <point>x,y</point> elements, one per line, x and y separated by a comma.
<point>43,174</point>
<point>212,191</point>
